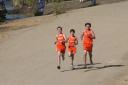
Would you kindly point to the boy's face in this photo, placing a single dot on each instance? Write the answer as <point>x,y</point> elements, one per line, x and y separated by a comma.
<point>59,30</point>
<point>87,27</point>
<point>72,33</point>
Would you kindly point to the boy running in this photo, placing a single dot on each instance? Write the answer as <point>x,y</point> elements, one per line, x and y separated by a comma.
<point>72,42</point>
<point>60,45</point>
<point>87,37</point>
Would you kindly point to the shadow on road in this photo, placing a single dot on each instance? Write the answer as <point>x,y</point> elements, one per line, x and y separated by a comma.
<point>102,67</point>
<point>88,64</point>
<point>93,67</point>
<point>80,66</point>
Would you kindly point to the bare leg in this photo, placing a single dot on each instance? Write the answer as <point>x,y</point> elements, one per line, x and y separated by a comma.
<point>71,55</point>
<point>63,58</point>
<point>85,56</point>
<point>72,59</point>
<point>90,55</point>
<point>59,60</point>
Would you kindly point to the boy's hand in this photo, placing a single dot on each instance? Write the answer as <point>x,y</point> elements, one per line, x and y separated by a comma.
<point>94,37</point>
<point>63,42</point>
<point>76,42</point>
<point>55,42</point>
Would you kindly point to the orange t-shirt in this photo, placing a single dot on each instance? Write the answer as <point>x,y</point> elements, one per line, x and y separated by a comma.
<point>60,39</point>
<point>71,40</point>
<point>87,39</point>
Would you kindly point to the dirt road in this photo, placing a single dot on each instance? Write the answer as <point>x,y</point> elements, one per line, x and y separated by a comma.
<point>28,57</point>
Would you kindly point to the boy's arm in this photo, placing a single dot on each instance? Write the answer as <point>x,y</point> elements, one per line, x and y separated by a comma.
<point>65,38</point>
<point>93,35</point>
<point>56,40</point>
<point>76,42</point>
<point>81,37</point>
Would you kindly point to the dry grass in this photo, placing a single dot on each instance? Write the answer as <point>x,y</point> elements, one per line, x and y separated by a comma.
<point>18,24</point>
<point>73,4</point>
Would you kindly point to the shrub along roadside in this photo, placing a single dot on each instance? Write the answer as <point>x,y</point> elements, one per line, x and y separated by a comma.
<point>58,8</point>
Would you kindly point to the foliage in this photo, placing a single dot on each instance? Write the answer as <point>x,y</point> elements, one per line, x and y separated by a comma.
<point>58,8</point>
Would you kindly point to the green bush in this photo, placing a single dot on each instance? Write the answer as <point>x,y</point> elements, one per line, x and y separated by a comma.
<point>2,19</point>
<point>20,3</point>
<point>59,8</point>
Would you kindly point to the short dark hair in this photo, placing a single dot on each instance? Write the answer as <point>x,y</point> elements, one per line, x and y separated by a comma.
<point>88,24</point>
<point>59,27</point>
<point>72,30</point>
